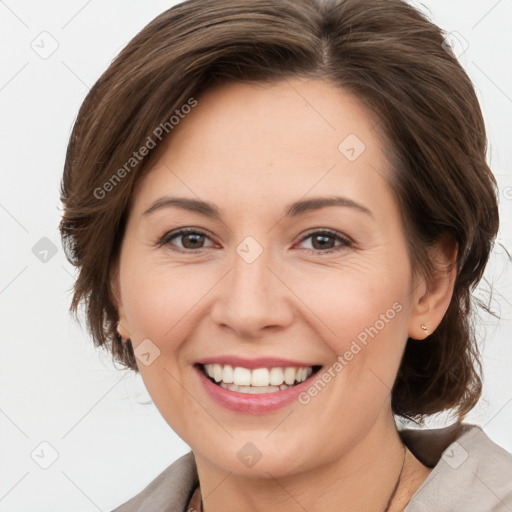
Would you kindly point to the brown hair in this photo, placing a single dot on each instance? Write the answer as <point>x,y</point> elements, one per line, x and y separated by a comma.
<point>385,52</point>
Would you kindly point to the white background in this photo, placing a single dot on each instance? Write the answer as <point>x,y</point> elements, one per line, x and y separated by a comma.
<point>55,387</point>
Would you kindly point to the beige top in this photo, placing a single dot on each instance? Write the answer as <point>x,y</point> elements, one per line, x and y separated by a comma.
<point>470,473</point>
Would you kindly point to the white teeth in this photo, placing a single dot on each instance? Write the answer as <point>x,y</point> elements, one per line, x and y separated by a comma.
<point>289,375</point>
<point>260,377</point>
<point>242,376</point>
<point>276,376</point>
<point>227,374</point>
<point>217,372</point>
<point>253,390</point>
<point>267,380</point>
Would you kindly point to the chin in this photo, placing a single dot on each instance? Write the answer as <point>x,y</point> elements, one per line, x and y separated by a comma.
<point>262,458</point>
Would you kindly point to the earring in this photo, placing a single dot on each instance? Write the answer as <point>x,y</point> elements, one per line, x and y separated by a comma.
<point>425,328</point>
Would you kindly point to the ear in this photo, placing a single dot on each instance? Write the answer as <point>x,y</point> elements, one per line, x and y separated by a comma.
<point>432,295</point>
<point>115,287</point>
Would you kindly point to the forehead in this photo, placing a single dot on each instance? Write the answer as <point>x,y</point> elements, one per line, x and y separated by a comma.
<point>261,117</point>
<point>261,140</point>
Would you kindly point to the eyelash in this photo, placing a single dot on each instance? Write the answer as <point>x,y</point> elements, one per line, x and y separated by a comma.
<point>345,242</point>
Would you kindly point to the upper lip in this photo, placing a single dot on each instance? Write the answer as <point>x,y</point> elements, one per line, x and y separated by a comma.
<point>259,362</point>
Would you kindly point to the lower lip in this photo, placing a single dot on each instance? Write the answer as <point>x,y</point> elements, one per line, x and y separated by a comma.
<point>252,404</point>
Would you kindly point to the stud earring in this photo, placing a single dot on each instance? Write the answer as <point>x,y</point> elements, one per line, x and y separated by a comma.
<point>425,328</point>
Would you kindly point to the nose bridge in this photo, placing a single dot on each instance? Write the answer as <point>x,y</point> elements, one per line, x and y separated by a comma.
<point>251,295</point>
<point>251,289</point>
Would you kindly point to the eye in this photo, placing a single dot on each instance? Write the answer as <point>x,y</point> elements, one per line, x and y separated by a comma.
<point>190,239</point>
<point>323,240</point>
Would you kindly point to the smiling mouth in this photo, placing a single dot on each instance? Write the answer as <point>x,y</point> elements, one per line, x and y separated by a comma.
<point>258,380</point>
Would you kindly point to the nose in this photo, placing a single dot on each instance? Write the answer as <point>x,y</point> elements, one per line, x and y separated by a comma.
<point>252,299</point>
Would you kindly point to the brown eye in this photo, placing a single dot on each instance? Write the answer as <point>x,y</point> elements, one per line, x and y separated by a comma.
<point>324,241</point>
<point>190,239</point>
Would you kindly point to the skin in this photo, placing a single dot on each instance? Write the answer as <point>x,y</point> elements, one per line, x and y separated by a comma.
<point>251,150</point>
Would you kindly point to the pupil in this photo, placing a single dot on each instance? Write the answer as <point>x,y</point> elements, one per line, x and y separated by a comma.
<point>324,237</point>
<point>197,237</point>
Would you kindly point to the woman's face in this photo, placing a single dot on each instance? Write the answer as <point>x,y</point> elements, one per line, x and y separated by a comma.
<point>271,280</point>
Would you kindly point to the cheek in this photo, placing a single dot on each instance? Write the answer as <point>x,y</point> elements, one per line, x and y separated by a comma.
<point>361,314</point>
<point>159,299</point>
<point>347,303</point>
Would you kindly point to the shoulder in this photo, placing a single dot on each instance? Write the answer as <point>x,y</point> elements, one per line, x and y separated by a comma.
<point>169,491</point>
<point>471,473</point>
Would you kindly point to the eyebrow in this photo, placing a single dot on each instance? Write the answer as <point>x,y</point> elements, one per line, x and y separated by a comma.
<point>292,210</point>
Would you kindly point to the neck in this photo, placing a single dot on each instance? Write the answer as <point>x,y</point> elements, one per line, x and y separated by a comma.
<point>362,479</point>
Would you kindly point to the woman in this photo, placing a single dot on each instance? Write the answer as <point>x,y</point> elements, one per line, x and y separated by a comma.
<point>279,210</point>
